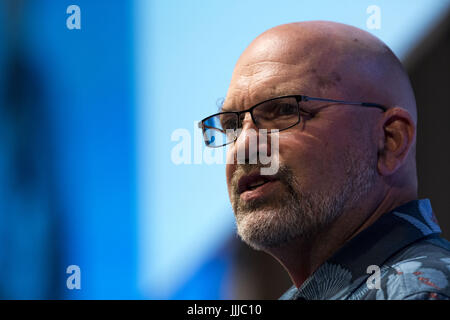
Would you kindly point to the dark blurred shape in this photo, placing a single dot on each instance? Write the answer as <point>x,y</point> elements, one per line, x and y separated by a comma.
<point>28,240</point>
<point>255,274</point>
<point>429,68</point>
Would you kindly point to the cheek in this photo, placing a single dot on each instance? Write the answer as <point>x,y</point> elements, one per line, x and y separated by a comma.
<point>229,170</point>
<point>310,159</point>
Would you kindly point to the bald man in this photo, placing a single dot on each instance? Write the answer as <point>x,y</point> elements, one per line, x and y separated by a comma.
<point>341,213</point>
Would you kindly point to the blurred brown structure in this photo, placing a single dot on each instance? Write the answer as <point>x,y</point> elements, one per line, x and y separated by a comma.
<point>428,66</point>
<point>256,275</point>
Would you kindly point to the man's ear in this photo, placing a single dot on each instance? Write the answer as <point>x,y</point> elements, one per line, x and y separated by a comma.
<point>398,134</point>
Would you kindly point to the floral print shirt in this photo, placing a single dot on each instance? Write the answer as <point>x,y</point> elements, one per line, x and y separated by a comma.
<point>399,257</point>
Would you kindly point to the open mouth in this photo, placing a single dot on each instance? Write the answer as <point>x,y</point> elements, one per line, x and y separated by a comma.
<point>252,182</point>
<point>255,185</point>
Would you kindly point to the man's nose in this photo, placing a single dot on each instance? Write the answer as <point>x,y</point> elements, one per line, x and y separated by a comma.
<point>251,141</point>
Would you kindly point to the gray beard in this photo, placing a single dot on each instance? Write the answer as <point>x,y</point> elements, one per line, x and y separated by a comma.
<point>293,212</point>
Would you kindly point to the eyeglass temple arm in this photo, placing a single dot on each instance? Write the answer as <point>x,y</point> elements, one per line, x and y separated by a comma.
<point>364,104</point>
<point>204,126</point>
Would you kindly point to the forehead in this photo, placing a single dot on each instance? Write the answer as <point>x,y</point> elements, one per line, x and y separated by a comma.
<point>262,80</point>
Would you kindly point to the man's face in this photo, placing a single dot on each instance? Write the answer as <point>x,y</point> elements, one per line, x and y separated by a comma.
<point>327,162</point>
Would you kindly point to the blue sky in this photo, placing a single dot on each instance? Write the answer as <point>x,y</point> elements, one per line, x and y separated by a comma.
<point>186,51</point>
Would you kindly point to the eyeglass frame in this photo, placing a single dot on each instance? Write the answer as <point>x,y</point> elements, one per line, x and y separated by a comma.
<point>298,97</point>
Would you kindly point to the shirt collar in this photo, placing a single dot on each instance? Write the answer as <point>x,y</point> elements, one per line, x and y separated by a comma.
<point>347,268</point>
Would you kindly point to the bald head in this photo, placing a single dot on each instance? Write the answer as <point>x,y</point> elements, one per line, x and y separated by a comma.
<point>331,60</point>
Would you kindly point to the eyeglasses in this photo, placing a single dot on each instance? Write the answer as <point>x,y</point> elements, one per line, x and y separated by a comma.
<point>279,113</point>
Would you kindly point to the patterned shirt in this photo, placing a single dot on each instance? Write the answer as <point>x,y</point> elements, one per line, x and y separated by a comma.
<point>399,257</point>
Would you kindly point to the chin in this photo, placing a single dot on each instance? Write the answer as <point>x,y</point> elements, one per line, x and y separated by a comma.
<point>263,229</point>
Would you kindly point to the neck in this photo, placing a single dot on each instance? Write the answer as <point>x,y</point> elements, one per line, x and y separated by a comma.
<point>302,257</point>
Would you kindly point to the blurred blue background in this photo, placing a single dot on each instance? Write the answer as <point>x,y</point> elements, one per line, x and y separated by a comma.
<point>88,119</point>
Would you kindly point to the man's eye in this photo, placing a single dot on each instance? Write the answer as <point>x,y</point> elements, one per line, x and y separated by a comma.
<point>285,109</point>
<point>228,124</point>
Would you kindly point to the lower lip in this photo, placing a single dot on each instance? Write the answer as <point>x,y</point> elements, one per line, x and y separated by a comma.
<point>259,192</point>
